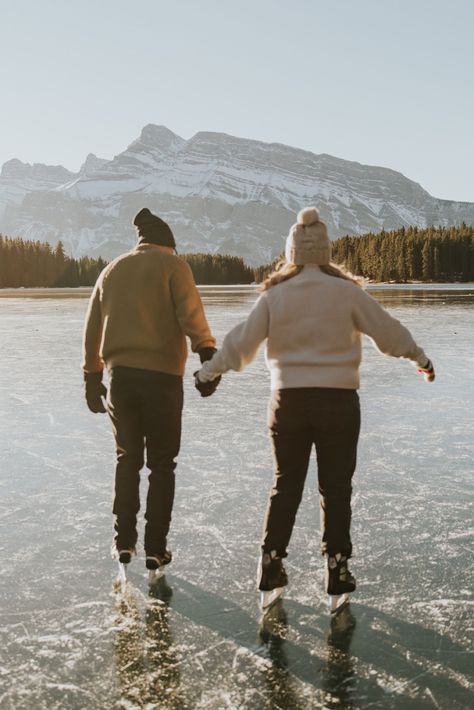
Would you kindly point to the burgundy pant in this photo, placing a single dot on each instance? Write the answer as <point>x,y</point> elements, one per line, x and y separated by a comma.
<point>330,419</point>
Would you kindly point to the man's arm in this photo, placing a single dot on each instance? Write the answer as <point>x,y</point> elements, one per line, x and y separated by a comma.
<point>92,362</point>
<point>189,309</point>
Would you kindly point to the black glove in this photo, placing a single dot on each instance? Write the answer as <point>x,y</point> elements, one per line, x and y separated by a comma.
<point>206,388</point>
<point>206,354</point>
<point>95,390</point>
<point>427,371</point>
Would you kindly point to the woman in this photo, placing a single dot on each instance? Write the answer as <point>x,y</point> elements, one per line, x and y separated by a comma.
<point>311,314</point>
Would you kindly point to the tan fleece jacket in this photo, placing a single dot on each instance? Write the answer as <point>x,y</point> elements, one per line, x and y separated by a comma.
<point>143,305</point>
<point>312,325</point>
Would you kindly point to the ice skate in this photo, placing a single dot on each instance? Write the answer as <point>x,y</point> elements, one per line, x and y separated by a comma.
<point>123,557</point>
<point>272,579</point>
<point>155,565</point>
<point>339,582</point>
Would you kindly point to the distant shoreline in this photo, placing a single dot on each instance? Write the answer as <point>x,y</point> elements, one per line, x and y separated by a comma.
<point>35,292</point>
<point>85,291</point>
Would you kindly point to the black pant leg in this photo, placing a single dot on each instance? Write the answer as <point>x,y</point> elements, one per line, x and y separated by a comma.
<point>162,409</point>
<point>336,424</point>
<point>127,421</point>
<point>292,442</point>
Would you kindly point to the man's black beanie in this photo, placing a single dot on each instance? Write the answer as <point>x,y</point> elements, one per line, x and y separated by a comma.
<point>153,230</point>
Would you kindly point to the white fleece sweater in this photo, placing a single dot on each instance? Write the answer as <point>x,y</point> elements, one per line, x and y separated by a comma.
<point>312,325</point>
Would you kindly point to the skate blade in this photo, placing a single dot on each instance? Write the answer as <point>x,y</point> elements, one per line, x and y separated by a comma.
<point>122,574</point>
<point>269,599</point>
<point>338,602</point>
<point>154,575</point>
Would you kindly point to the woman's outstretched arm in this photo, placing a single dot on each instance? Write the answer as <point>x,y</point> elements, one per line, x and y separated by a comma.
<point>388,334</point>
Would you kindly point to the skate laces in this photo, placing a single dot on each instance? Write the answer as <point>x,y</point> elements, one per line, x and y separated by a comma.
<point>339,562</point>
<point>117,553</point>
<point>271,571</point>
<point>269,557</point>
<point>160,559</point>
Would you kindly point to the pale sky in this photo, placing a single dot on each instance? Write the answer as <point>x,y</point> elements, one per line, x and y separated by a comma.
<point>383,82</point>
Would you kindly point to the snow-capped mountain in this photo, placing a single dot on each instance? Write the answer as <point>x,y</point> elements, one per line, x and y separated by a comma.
<point>217,192</point>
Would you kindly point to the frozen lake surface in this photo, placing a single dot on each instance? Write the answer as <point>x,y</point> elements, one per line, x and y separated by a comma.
<point>70,640</point>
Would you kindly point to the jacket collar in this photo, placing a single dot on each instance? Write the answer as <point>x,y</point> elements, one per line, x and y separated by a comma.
<point>147,247</point>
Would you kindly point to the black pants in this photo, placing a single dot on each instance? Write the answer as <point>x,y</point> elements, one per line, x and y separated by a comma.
<point>145,408</point>
<point>299,418</point>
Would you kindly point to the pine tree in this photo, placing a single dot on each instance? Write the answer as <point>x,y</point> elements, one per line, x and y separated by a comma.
<point>427,261</point>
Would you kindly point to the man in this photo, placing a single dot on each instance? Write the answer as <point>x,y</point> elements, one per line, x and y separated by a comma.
<point>143,305</point>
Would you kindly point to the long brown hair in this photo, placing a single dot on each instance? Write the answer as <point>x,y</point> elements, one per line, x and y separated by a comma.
<point>284,271</point>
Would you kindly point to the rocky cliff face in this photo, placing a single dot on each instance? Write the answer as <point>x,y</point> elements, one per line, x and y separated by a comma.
<point>218,193</point>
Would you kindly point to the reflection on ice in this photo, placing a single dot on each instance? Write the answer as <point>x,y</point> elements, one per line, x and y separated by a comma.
<point>146,661</point>
<point>69,639</point>
<point>339,682</point>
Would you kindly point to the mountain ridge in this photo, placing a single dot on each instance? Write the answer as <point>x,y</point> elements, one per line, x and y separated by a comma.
<point>219,193</point>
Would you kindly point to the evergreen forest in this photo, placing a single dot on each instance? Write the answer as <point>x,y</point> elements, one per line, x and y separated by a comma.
<point>216,269</point>
<point>37,264</point>
<point>410,254</point>
<point>433,254</point>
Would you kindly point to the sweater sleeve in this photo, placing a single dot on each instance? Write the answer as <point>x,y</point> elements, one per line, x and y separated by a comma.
<point>388,334</point>
<point>189,309</point>
<point>240,345</point>
<point>92,362</point>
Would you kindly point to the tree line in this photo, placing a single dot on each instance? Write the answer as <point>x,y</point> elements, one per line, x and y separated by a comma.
<point>37,264</point>
<point>410,254</point>
<point>27,264</point>
<point>216,269</point>
<point>402,255</point>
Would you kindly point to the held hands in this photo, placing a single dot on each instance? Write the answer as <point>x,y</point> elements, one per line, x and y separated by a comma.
<point>205,388</point>
<point>95,390</point>
<point>428,371</point>
<point>206,354</point>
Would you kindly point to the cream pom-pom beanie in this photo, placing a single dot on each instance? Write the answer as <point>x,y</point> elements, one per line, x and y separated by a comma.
<point>308,241</point>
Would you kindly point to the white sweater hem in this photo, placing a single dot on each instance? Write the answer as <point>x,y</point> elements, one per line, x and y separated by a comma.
<point>290,378</point>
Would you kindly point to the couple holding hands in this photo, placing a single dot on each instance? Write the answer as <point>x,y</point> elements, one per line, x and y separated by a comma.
<point>311,315</point>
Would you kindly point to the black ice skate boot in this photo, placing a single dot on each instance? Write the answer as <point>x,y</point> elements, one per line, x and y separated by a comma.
<point>125,556</point>
<point>272,579</point>
<point>339,581</point>
<point>155,564</point>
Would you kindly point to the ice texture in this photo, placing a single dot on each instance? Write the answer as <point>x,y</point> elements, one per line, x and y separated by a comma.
<point>70,640</point>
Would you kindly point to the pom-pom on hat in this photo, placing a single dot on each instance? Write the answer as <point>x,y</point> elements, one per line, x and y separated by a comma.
<point>308,241</point>
<point>153,230</point>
